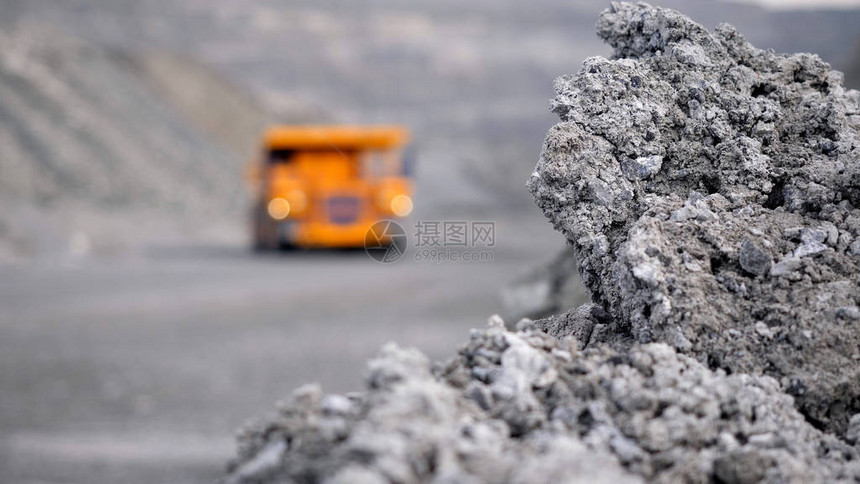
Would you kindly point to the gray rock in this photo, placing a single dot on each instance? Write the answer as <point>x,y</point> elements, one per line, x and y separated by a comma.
<point>420,427</point>
<point>852,436</point>
<point>641,168</point>
<point>578,323</point>
<point>337,405</point>
<point>759,161</point>
<point>809,248</point>
<point>646,414</point>
<point>849,312</point>
<point>753,259</point>
<point>854,249</point>
<point>786,266</point>
<point>480,394</point>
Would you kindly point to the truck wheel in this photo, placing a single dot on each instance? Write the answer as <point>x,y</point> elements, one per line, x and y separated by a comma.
<point>263,231</point>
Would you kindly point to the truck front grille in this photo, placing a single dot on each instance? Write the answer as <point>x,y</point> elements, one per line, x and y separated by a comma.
<point>343,210</point>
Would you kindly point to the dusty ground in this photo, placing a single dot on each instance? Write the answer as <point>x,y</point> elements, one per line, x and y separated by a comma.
<point>141,369</point>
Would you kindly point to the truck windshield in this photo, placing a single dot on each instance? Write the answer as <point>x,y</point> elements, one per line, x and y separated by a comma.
<point>280,156</point>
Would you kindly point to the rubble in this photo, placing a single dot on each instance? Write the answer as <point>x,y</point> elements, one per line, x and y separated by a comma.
<point>745,214</point>
<point>527,407</point>
<point>708,190</point>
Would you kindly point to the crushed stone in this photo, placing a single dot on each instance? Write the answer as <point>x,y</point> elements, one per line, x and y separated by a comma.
<point>708,190</point>
<point>749,218</point>
<point>523,406</point>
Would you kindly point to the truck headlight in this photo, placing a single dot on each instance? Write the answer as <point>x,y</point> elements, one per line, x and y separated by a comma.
<point>401,205</point>
<point>279,208</point>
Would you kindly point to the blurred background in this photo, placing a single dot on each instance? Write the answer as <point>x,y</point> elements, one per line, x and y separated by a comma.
<point>137,329</point>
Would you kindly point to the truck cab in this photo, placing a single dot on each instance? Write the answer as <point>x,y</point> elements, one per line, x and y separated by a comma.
<point>324,186</point>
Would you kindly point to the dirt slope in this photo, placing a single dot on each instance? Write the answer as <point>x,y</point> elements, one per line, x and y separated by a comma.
<point>93,138</point>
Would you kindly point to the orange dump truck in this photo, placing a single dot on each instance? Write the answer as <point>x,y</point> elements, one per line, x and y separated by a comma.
<point>324,186</point>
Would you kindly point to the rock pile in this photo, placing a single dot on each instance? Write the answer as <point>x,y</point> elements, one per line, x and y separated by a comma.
<point>708,189</point>
<point>711,191</point>
<point>527,407</point>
